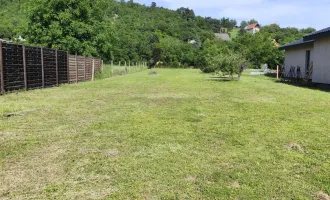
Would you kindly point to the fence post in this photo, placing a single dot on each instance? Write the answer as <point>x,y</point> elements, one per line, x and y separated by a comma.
<point>2,79</point>
<point>93,70</point>
<point>85,68</point>
<point>42,68</point>
<point>24,68</point>
<point>111,67</point>
<point>102,65</point>
<point>57,79</point>
<point>68,66</point>
<point>76,68</point>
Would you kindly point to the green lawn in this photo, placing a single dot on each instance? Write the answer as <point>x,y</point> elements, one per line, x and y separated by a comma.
<point>174,135</point>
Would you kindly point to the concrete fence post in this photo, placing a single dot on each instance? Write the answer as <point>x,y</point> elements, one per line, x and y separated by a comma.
<point>93,70</point>
<point>76,62</point>
<point>111,68</point>
<point>68,66</point>
<point>85,58</point>
<point>2,79</point>
<point>24,68</point>
<point>42,68</point>
<point>56,64</point>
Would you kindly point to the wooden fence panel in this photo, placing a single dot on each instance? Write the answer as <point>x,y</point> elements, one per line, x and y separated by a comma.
<point>62,67</point>
<point>50,67</point>
<point>13,67</point>
<point>33,67</point>
<point>97,63</point>
<point>81,68</point>
<point>89,68</point>
<point>72,69</point>
<point>25,67</point>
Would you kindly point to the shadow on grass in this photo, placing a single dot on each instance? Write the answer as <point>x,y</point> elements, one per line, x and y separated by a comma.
<point>221,79</point>
<point>311,86</point>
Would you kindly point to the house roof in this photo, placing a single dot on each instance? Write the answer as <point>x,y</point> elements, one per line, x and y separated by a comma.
<point>317,34</point>
<point>222,36</point>
<point>252,26</point>
<point>296,43</point>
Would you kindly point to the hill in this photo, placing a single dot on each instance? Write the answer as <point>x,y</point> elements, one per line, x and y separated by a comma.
<point>128,31</point>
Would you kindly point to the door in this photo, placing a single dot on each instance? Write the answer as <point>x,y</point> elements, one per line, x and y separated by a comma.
<point>308,61</point>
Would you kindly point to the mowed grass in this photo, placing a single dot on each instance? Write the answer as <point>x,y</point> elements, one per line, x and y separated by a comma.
<point>173,135</point>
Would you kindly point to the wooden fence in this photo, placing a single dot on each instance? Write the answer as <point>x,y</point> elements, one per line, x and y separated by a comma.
<point>23,67</point>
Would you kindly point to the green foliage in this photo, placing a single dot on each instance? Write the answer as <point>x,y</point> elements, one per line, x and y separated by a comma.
<point>286,35</point>
<point>258,49</point>
<point>124,30</point>
<point>12,18</point>
<point>75,25</point>
<point>221,59</point>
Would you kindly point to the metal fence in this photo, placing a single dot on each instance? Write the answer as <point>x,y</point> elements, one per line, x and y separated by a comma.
<point>24,67</point>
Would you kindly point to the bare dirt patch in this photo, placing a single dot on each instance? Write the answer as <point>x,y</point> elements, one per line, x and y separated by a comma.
<point>295,147</point>
<point>234,184</point>
<point>107,152</point>
<point>32,173</point>
<point>322,196</point>
<point>191,178</point>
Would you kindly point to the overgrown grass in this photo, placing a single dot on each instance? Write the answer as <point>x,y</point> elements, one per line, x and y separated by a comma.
<point>116,70</point>
<point>174,134</point>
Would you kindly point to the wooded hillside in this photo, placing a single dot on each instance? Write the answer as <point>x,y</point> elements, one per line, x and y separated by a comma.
<point>123,31</point>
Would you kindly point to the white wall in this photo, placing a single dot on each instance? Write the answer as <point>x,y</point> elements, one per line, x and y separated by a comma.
<point>321,72</point>
<point>256,30</point>
<point>297,57</point>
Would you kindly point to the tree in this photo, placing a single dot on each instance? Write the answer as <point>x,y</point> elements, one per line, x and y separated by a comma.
<point>258,49</point>
<point>228,23</point>
<point>253,21</point>
<point>153,4</point>
<point>74,25</point>
<point>244,24</point>
<point>186,13</point>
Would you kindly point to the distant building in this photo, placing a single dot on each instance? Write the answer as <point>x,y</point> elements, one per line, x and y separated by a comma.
<point>192,41</point>
<point>253,28</point>
<point>223,35</point>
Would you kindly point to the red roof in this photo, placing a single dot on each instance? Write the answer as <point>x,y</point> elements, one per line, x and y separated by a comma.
<point>251,26</point>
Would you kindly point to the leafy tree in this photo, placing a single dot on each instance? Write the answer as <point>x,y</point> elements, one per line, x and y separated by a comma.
<point>74,25</point>
<point>252,21</point>
<point>258,49</point>
<point>186,13</point>
<point>244,24</point>
<point>228,23</point>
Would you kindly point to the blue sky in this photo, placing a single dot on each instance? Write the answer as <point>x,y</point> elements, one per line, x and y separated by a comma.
<point>293,13</point>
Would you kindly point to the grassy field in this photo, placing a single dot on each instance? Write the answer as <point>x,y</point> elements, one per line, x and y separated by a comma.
<point>173,135</point>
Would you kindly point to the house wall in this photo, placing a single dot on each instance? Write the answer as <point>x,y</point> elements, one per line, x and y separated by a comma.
<point>256,30</point>
<point>250,31</point>
<point>321,72</point>
<point>296,56</point>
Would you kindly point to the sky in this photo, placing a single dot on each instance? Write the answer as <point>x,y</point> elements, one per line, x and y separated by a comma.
<point>286,13</point>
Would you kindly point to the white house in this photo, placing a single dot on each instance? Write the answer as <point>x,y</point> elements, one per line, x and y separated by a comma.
<point>253,28</point>
<point>311,55</point>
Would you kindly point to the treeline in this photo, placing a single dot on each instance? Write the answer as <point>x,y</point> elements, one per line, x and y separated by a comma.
<point>122,31</point>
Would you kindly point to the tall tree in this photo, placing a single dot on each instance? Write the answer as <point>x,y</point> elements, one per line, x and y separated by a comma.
<point>73,25</point>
